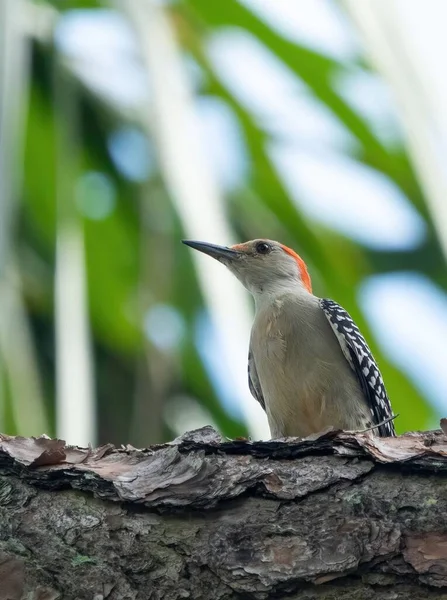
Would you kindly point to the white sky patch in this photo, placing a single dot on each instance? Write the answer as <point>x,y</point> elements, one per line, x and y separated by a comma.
<point>105,54</point>
<point>132,153</point>
<point>409,315</point>
<point>349,197</point>
<point>231,392</point>
<point>264,85</point>
<point>222,141</point>
<point>316,24</point>
<point>426,29</point>
<point>164,327</point>
<point>370,96</point>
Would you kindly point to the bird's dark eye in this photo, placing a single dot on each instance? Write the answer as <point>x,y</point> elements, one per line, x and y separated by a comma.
<point>262,248</point>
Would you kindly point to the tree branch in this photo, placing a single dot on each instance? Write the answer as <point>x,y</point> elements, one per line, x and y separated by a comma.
<point>338,516</point>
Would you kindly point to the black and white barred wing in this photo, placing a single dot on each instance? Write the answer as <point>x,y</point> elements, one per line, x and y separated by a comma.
<point>362,362</point>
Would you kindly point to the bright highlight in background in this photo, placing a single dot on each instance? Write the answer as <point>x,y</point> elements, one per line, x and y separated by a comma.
<point>409,315</point>
<point>345,195</point>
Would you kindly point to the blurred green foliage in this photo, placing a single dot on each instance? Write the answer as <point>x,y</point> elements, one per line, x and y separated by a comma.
<point>134,259</point>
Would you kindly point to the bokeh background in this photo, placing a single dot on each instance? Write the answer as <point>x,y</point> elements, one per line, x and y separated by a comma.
<point>126,126</point>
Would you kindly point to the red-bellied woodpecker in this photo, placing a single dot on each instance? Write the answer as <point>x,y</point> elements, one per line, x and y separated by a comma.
<point>308,364</point>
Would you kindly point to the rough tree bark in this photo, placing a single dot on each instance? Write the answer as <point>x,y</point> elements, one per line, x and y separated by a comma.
<point>336,516</point>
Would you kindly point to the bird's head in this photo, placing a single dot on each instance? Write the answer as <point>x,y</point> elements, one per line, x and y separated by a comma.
<point>262,266</point>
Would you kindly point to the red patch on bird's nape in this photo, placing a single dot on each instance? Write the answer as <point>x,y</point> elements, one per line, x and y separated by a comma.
<point>304,273</point>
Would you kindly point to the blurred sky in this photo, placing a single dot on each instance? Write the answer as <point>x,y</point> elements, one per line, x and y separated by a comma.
<point>407,312</point>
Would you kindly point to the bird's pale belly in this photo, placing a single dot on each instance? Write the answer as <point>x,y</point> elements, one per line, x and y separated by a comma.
<point>311,392</point>
<point>311,408</point>
<point>303,409</point>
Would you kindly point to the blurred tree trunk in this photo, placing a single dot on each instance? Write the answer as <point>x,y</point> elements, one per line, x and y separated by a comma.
<point>202,519</point>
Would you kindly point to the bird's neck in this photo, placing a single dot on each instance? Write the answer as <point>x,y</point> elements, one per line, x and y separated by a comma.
<point>268,293</point>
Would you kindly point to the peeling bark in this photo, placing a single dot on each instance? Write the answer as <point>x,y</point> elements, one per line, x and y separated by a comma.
<point>336,516</point>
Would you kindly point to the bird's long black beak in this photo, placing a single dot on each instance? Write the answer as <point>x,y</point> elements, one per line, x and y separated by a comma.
<point>217,252</point>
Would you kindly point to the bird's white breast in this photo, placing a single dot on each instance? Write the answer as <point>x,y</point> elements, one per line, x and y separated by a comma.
<point>301,368</point>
